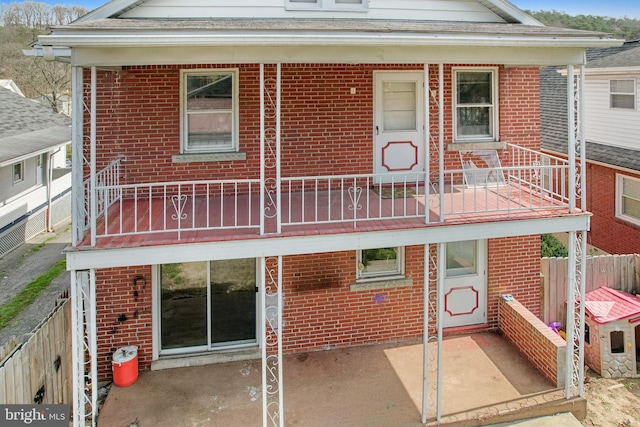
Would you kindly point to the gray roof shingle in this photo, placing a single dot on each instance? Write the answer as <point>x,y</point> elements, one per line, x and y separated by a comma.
<point>27,127</point>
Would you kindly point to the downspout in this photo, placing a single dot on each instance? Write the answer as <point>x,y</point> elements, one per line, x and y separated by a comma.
<point>49,192</point>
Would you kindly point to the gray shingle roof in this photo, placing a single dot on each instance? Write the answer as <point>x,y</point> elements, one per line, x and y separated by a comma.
<point>27,127</point>
<point>553,107</point>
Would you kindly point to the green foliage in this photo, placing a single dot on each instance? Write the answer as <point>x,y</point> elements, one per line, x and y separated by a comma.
<point>26,296</point>
<point>625,28</point>
<point>551,247</point>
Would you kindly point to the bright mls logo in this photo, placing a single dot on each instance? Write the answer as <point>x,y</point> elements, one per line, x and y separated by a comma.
<point>34,415</point>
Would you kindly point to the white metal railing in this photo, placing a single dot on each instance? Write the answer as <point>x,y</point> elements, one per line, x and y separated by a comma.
<point>352,198</point>
<point>181,206</point>
<point>531,181</point>
<point>107,191</point>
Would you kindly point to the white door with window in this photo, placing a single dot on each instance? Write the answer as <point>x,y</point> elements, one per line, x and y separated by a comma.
<point>399,124</point>
<point>465,283</point>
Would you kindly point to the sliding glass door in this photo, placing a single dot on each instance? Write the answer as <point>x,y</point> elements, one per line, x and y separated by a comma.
<point>207,305</point>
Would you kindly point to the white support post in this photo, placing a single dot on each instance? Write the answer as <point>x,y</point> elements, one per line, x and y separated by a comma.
<point>582,270</point>
<point>77,346</point>
<point>278,153</point>
<point>92,160</point>
<point>583,148</point>
<point>441,269</point>
<point>77,157</point>
<point>571,313</point>
<point>262,151</point>
<point>425,333</point>
<point>84,342</point>
<point>427,147</point>
<point>571,137</point>
<point>272,374</point>
<point>441,142</point>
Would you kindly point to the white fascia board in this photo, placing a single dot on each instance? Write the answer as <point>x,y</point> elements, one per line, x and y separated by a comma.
<point>34,154</point>
<point>148,255</point>
<point>146,38</point>
<point>512,56</point>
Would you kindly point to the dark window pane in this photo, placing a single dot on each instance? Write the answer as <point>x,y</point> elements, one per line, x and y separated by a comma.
<point>474,88</point>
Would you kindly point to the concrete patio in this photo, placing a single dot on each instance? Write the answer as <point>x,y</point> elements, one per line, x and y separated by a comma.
<point>485,381</point>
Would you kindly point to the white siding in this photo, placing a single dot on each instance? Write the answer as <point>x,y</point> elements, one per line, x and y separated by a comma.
<point>433,10</point>
<point>612,126</point>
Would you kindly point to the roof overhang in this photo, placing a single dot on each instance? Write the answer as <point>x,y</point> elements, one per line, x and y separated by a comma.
<point>20,147</point>
<point>113,42</point>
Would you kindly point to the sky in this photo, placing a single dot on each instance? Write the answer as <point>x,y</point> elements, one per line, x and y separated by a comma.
<point>612,8</point>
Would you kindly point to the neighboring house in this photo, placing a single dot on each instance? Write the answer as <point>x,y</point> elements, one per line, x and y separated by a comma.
<point>612,134</point>
<point>11,85</point>
<point>36,185</point>
<point>249,178</point>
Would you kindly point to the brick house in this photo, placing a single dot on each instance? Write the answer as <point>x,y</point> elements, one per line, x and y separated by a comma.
<point>612,125</point>
<point>290,176</point>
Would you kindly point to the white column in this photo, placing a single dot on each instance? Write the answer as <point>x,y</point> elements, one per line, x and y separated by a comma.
<point>77,186</point>
<point>278,154</point>
<point>262,151</point>
<point>571,137</point>
<point>571,313</point>
<point>427,147</point>
<point>425,329</point>
<point>441,139</point>
<point>92,160</point>
<point>272,376</point>
<point>84,342</point>
<point>441,273</point>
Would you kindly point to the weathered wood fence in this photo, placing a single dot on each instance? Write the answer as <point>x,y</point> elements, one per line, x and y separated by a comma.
<point>619,272</point>
<point>39,370</point>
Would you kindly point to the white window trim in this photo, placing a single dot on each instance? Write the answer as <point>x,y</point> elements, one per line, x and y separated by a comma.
<point>327,5</point>
<point>235,113</point>
<point>633,94</point>
<point>619,208</point>
<point>494,116</point>
<point>371,277</point>
<point>13,168</point>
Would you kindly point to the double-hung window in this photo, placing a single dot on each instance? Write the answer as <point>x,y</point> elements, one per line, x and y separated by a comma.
<point>327,4</point>
<point>628,198</point>
<point>209,111</point>
<point>18,172</point>
<point>380,263</point>
<point>475,105</point>
<point>622,94</point>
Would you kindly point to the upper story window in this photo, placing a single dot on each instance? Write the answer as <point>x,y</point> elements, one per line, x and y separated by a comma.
<point>380,263</point>
<point>327,4</point>
<point>475,105</point>
<point>628,199</point>
<point>209,111</point>
<point>18,172</point>
<point>622,94</point>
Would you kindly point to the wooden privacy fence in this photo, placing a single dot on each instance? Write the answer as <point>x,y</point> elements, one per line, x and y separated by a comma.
<point>620,272</point>
<point>39,370</point>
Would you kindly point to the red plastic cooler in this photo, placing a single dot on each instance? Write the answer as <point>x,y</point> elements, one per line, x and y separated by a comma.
<point>125,366</point>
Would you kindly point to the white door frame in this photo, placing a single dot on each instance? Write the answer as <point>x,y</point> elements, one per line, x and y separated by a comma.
<point>405,149</point>
<point>470,291</point>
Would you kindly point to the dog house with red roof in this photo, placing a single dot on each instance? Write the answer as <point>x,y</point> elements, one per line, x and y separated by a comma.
<point>612,333</point>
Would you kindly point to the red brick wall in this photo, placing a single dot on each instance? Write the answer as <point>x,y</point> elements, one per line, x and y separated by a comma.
<point>608,233</point>
<point>544,348</point>
<point>115,297</point>
<point>320,310</point>
<point>138,119</point>
<point>514,268</point>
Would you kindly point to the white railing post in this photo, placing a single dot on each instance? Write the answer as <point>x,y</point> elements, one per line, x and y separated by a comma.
<point>427,146</point>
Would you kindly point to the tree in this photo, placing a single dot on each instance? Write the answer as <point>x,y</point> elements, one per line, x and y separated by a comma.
<point>22,24</point>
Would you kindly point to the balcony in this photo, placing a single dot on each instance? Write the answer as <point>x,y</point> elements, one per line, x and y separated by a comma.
<point>533,185</point>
